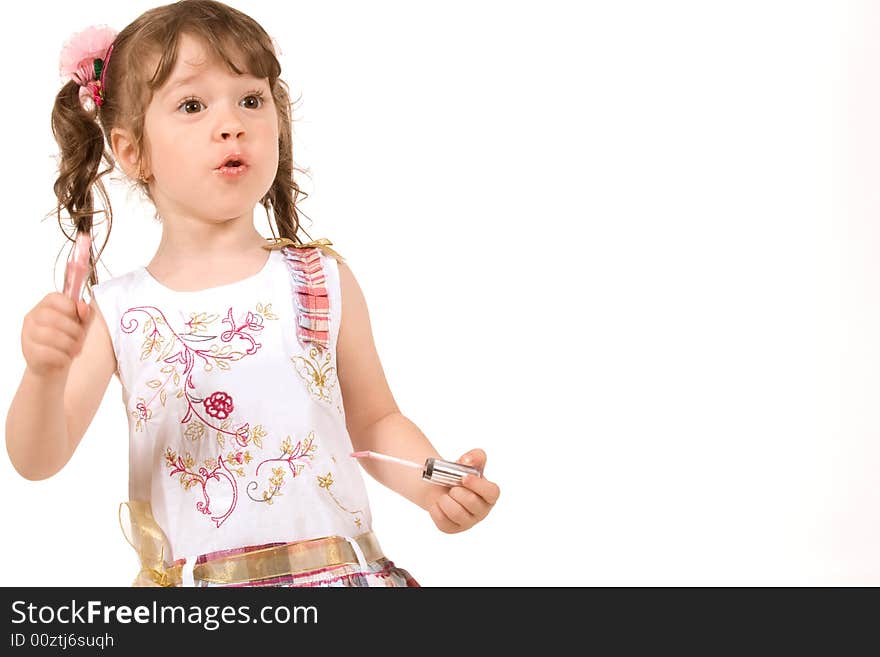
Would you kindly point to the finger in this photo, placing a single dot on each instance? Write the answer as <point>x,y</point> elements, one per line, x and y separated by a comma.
<point>475,457</point>
<point>488,490</point>
<point>443,523</point>
<point>53,356</point>
<point>84,312</point>
<point>455,512</point>
<point>49,338</point>
<point>472,502</point>
<point>57,319</point>
<point>61,303</point>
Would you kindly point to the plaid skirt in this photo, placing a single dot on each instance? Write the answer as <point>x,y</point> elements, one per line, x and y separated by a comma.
<point>381,572</point>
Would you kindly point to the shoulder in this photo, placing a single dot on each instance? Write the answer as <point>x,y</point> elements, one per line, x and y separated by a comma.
<point>355,330</point>
<point>354,306</point>
<point>110,295</point>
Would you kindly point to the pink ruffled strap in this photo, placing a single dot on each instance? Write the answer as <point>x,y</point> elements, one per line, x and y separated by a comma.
<point>310,297</point>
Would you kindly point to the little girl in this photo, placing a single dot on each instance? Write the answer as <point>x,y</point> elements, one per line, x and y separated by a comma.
<point>246,392</point>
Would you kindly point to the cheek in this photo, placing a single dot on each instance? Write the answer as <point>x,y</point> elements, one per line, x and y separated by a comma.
<point>161,146</point>
<point>270,138</point>
<point>173,158</point>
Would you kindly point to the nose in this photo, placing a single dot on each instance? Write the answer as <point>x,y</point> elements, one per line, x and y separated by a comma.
<point>225,134</point>
<point>230,125</point>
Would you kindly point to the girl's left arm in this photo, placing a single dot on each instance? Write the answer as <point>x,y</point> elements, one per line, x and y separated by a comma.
<point>375,423</point>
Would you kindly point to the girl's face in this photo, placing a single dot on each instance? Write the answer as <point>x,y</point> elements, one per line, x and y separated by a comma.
<point>202,115</point>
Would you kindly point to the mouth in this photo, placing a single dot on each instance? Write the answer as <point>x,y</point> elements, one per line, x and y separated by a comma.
<point>232,171</point>
<point>232,161</point>
<point>233,165</point>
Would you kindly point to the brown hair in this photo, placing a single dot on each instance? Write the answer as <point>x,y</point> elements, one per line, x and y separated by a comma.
<point>84,137</point>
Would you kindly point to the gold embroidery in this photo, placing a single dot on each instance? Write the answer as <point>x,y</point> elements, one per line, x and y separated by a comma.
<point>276,481</point>
<point>266,311</point>
<point>198,321</point>
<point>221,439</point>
<point>326,482</point>
<point>154,341</point>
<point>195,430</point>
<point>223,352</point>
<point>257,435</point>
<point>186,464</point>
<point>320,377</point>
<point>304,449</point>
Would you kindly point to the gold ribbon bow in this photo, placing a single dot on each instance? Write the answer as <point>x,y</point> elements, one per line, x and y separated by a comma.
<point>323,244</point>
<point>151,545</point>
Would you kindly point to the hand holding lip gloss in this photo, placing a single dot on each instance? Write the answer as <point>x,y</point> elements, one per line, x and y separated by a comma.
<point>436,471</point>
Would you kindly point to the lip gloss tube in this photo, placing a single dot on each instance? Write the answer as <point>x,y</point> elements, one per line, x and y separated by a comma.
<point>78,268</point>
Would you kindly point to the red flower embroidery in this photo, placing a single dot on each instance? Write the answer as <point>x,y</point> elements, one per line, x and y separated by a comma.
<point>142,409</point>
<point>219,405</point>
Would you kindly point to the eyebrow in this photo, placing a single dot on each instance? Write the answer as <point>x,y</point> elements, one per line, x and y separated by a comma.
<point>181,81</point>
<point>189,78</point>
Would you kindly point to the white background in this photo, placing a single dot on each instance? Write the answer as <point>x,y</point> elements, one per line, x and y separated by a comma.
<point>628,248</point>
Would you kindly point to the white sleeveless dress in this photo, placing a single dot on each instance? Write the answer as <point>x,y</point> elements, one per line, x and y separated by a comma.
<point>237,432</point>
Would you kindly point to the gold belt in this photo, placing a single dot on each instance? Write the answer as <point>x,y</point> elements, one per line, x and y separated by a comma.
<point>151,544</point>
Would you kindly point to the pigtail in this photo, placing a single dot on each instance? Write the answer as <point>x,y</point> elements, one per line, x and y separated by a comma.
<point>81,142</point>
<point>281,198</point>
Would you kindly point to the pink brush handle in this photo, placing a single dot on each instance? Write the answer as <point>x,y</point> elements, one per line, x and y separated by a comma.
<point>384,457</point>
<point>78,266</point>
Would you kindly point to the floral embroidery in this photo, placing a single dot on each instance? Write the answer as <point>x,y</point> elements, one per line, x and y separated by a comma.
<point>215,342</point>
<point>195,431</point>
<point>141,413</point>
<point>212,469</point>
<point>318,372</point>
<point>294,457</point>
<point>219,405</point>
<point>257,434</point>
<point>325,483</point>
<point>266,311</point>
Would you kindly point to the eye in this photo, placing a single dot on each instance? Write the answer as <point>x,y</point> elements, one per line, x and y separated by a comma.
<point>258,96</point>
<point>189,102</point>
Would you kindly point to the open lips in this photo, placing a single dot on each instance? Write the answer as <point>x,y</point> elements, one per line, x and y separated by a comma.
<point>233,160</point>
<point>233,165</point>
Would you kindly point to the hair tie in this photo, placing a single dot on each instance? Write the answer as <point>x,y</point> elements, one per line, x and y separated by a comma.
<point>84,59</point>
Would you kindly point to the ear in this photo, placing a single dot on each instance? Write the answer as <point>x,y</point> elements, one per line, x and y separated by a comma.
<point>125,151</point>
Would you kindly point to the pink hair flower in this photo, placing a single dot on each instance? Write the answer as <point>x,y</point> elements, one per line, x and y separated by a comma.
<point>80,52</point>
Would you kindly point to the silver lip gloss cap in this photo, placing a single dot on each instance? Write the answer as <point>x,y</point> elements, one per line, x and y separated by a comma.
<point>447,473</point>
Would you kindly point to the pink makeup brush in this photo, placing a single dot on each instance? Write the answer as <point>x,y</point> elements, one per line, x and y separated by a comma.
<point>437,471</point>
<point>78,266</point>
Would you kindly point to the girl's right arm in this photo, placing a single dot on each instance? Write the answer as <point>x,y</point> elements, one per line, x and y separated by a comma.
<point>70,361</point>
